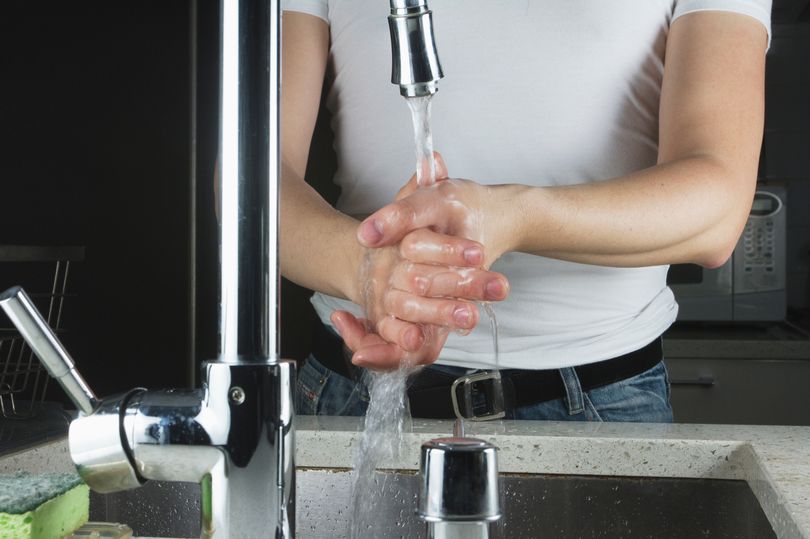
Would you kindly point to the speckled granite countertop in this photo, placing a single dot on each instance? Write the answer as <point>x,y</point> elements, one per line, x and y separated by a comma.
<point>775,461</point>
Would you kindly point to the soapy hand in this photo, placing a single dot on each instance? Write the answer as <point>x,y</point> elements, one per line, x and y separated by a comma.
<point>415,292</point>
<point>449,208</point>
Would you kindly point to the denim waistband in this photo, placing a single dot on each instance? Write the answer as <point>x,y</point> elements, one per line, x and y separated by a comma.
<point>429,391</point>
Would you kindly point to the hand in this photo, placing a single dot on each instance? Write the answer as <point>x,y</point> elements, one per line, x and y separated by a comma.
<point>450,208</point>
<point>414,305</point>
<point>415,292</point>
<point>372,351</point>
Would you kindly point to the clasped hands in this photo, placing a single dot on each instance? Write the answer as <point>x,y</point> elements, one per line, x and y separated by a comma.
<point>426,262</point>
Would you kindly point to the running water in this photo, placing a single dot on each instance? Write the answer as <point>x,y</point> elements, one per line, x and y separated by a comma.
<point>383,433</point>
<point>381,443</point>
<point>423,135</point>
<point>493,326</point>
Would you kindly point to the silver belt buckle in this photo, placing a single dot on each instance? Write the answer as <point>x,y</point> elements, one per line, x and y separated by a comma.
<point>488,385</point>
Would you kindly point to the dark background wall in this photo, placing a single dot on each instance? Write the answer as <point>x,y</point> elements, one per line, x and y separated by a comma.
<point>95,116</point>
<point>100,111</point>
<point>786,150</point>
<point>104,121</point>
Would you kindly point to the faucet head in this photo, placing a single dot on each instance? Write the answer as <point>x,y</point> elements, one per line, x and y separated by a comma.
<point>415,66</point>
<point>458,481</point>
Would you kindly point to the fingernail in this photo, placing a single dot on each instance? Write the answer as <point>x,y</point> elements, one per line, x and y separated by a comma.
<point>358,360</point>
<point>473,255</point>
<point>495,289</point>
<point>462,317</point>
<point>371,232</point>
<point>422,284</point>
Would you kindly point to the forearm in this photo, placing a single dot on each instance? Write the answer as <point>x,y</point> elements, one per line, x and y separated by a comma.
<point>692,206</point>
<point>688,210</point>
<point>318,244</point>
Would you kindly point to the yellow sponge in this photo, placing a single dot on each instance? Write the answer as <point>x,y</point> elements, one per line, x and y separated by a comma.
<point>45,506</point>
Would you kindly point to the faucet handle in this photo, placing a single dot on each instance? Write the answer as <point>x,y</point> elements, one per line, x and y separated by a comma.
<point>42,340</point>
<point>458,481</point>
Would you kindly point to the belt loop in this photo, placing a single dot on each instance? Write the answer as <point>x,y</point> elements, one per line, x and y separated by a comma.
<point>573,391</point>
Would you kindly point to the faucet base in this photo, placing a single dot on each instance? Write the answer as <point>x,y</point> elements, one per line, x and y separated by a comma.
<point>255,487</point>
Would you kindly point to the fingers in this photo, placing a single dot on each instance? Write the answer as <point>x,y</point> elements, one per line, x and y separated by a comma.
<point>352,330</point>
<point>369,348</point>
<point>380,357</point>
<point>372,351</point>
<point>406,335</point>
<point>443,312</point>
<point>429,247</point>
<point>389,224</point>
<point>448,282</point>
<point>441,167</point>
<point>435,208</point>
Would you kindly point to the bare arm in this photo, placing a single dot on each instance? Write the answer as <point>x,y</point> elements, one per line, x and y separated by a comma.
<point>690,207</point>
<point>305,216</point>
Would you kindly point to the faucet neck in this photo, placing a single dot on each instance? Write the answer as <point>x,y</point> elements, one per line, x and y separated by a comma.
<point>402,7</point>
<point>249,171</point>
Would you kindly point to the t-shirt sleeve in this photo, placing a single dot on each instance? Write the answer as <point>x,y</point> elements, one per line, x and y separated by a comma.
<point>758,9</point>
<point>319,8</point>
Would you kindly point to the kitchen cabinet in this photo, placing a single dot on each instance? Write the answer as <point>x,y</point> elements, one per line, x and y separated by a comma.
<point>740,391</point>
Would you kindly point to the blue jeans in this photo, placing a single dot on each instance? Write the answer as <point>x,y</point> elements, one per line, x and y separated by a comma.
<point>641,398</point>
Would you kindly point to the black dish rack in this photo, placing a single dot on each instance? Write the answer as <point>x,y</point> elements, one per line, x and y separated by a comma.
<point>44,272</point>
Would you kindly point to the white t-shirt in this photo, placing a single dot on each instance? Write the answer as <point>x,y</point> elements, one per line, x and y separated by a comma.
<point>539,92</point>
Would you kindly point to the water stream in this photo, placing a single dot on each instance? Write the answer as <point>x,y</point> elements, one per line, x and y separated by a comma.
<point>423,136</point>
<point>384,428</point>
<point>383,433</point>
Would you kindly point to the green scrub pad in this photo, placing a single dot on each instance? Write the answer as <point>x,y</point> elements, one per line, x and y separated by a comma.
<point>45,506</point>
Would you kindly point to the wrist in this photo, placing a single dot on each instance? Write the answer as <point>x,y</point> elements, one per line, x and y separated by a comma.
<point>354,256</point>
<point>510,217</point>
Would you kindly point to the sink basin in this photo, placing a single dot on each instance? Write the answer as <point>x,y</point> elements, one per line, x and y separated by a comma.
<point>535,505</point>
<point>559,480</point>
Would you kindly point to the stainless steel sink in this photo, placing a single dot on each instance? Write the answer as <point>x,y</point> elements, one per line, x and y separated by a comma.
<point>559,506</point>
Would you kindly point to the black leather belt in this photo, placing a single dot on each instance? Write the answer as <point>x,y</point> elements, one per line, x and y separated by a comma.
<point>429,392</point>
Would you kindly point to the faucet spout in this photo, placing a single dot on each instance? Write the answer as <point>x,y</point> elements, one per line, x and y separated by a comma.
<point>415,65</point>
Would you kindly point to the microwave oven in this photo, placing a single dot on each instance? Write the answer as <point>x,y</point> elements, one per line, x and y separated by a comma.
<point>750,286</point>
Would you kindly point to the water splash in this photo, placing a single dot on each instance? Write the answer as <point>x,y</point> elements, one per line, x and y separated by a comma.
<point>381,443</point>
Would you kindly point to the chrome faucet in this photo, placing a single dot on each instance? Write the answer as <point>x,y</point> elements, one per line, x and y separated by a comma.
<point>235,434</point>
<point>415,63</point>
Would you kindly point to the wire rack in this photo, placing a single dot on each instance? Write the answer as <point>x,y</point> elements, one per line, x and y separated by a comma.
<point>43,272</point>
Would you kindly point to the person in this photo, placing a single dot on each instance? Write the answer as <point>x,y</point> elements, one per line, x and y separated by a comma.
<point>599,142</point>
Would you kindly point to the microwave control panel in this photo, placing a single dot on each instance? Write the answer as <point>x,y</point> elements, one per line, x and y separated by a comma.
<point>759,259</point>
